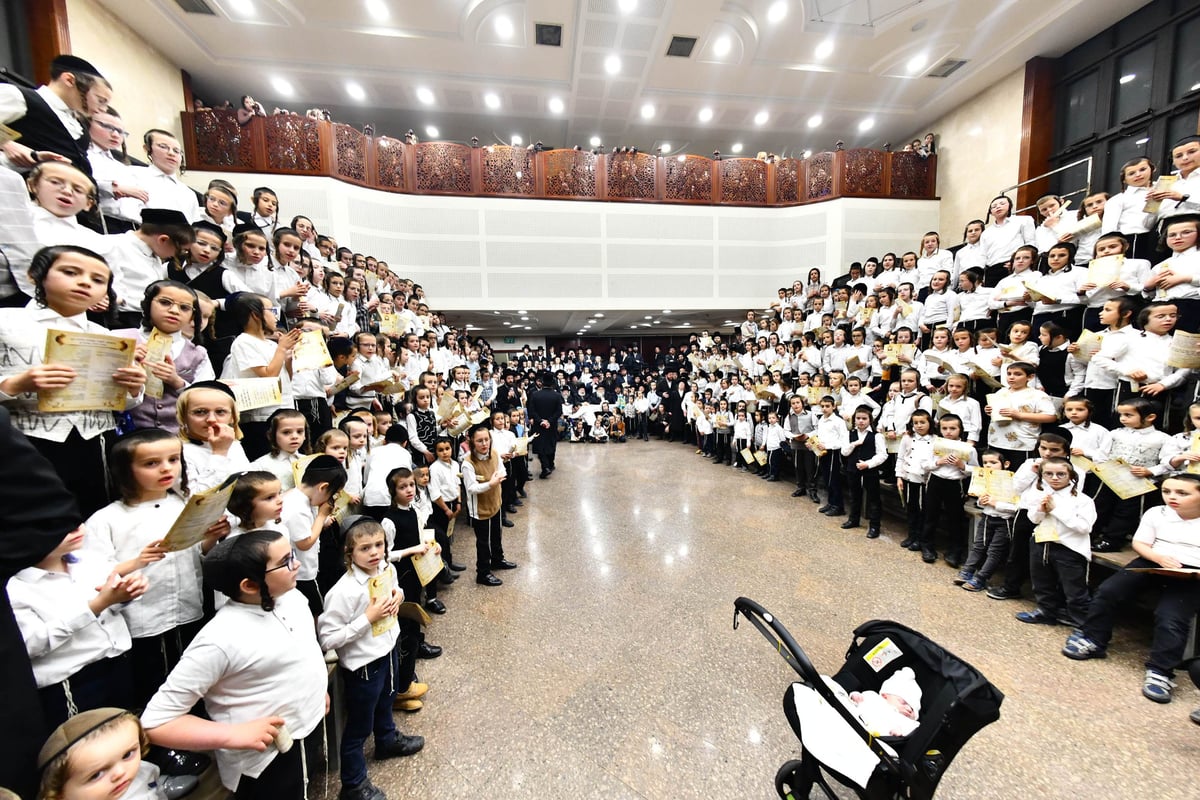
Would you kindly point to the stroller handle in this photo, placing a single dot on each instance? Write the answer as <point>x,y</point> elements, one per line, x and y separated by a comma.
<point>774,632</point>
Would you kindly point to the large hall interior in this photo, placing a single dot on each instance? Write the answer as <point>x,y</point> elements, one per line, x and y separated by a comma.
<point>383,350</point>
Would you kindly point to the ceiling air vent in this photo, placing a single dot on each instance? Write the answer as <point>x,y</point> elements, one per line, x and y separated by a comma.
<point>195,7</point>
<point>549,35</point>
<point>681,46</point>
<point>946,68</point>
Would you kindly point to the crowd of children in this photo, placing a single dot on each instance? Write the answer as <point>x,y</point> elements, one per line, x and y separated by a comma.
<point>1054,386</point>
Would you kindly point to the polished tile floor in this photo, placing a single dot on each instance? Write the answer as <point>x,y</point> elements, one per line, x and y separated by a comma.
<point>607,666</point>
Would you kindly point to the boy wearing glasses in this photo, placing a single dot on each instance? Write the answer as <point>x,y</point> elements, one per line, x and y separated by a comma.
<point>161,178</point>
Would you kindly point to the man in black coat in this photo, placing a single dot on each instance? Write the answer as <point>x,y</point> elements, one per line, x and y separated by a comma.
<point>48,125</point>
<point>545,408</point>
<point>36,513</point>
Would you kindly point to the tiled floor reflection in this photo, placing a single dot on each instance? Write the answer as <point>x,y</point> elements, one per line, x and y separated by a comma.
<point>607,667</point>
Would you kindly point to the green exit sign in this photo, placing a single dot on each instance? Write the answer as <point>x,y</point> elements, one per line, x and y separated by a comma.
<point>510,340</point>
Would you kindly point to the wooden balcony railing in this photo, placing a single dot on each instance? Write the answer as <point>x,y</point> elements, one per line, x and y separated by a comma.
<point>292,145</point>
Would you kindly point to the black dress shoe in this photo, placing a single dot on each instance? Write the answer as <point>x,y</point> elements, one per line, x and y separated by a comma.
<point>517,502</point>
<point>435,606</point>
<point>798,493</point>
<point>400,746</point>
<point>508,523</point>
<point>427,650</point>
<point>446,578</point>
<point>905,544</point>
<point>365,790</point>
<point>544,474</point>
<point>812,495</point>
<point>835,511</point>
<point>503,564</point>
<point>488,579</point>
<point>178,762</point>
<point>510,509</point>
<point>456,567</point>
<point>1105,546</point>
<point>177,786</point>
<point>521,493</point>
<point>824,509</point>
<point>873,531</point>
<point>850,523</point>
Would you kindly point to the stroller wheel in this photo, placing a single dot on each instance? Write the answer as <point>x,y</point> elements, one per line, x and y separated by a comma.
<point>791,782</point>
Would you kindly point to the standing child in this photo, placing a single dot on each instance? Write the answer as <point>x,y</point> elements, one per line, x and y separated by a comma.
<point>1017,414</point>
<point>307,510</point>
<point>831,436</point>
<point>1177,454</point>
<point>1064,517</point>
<point>69,280</point>
<point>743,436</point>
<point>287,431</point>
<point>366,659</point>
<point>445,491</point>
<point>1139,444</point>
<point>773,441</point>
<point>915,449</point>
<point>864,453</point>
<point>392,454</point>
<point>798,424</point>
<point>482,474</point>
<point>966,408</point>
<point>257,667</point>
<point>1175,280</point>
<point>208,426</point>
<point>993,533</point>
<point>944,495</point>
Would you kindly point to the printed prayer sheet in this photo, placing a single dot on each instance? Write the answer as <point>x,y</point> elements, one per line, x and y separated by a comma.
<point>158,347</point>
<point>95,357</point>
<point>202,511</point>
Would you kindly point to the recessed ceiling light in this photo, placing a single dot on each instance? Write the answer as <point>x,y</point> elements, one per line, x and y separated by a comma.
<point>824,50</point>
<point>556,105</point>
<point>666,311</point>
<point>866,125</point>
<point>737,147</point>
<point>244,7</point>
<point>777,12</point>
<point>528,328</point>
<point>506,322</point>
<point>522,312</point>
<point>761,117</point>
<point>1195,86</point>
<point>377,9</point>
<point>425,95</point>
<point>612,64</point>
<point>355,91</point>
<point>597,315</point>
<point>524,319</point>
<point>491,100</point>
<point>594,141</point>
<point>917,63</point>
<point>1127,79</point>
<point>975,131</point>
<point>627,6</point>
<point>1143,140</point>
<point>807,153</point>
<point>517,141</point>
<point>722,46</point>
<point>682,158</point>
<point>706,114</point>
<point>504,27</point>
<point>657,322</point>
<point>648,316</point>
<point>633,327</point>
<point>431,131</point>
<point>665,147</point>
<point>282,86</point>
<point>815,121</point>
<point>648,111</point>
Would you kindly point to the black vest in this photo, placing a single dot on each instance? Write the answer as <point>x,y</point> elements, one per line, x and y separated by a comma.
<point>866,450</point>
<point>1052,369</point>
<point>41,129</point>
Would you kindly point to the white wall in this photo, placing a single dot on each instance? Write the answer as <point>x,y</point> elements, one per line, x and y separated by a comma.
<point>545,255</point>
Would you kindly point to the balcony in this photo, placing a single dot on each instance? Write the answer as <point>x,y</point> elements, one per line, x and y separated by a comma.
<point>293,145</point>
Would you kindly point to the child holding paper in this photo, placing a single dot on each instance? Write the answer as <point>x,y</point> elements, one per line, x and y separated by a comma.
<point>1139,444</point>
<point>993,533</point>
<point>945,491</point>
<point>1017,414</point>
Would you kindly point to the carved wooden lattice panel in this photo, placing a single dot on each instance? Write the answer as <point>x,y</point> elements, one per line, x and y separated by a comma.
<point>570,173</point>
<point>787,181</point>
<point>443,167</point>
<point>689,178</point>
<point>743,180</point>
<point>507,170</point>
<point>910,175</point>
<point>350,153</point>
<point>389,163</point>
<point>820,176</point>
<point>221,141</point>
<point>631,176</point>
<point>864,172</point>
<point>293,142</point>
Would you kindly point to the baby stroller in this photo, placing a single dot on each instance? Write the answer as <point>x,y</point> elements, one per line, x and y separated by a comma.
<point>958,701</point>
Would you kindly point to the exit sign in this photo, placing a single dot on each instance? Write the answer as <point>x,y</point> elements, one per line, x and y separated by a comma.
<point>510,340</point>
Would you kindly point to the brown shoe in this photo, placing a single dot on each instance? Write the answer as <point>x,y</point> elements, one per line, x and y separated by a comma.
<point>415,692</point>
<point>407,705</point>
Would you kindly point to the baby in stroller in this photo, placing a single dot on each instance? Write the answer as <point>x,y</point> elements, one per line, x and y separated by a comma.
<point>892,711</point>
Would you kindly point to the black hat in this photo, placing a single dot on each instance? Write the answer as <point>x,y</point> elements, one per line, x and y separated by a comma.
<point>75,64</point>
<point>246,227</point>
<point>163,216</point>
<point>217,385</point>
<point>214,229</point>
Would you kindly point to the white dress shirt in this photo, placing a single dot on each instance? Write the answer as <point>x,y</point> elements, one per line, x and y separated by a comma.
<point>167,191</point>
<point>343,625</point>
<point>51,230</point>
<point>249,352</point>
<point>1166,532</point>
<point>206,469</point>
<point>134,266</point>
<point>1073,515</point>
<point>380,463</point>
<point>298,516</point>
<point>1000,240</point>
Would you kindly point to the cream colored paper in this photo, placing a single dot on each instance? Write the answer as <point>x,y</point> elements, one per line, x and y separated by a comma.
<point>381,586</point>
<point>1074,227</point>
<point>429,564</point>
<point>95,357</point>
<point>1089,344</point>
<point>1038,294</point>
<point>1194,466</point>
<point>251,393</point>
<point>389,324</point>
<point>158,347</point>
<point>1103,271</point>
<point>996,483</point>
<point>311,352</point>
<point>892,353</point>
<point>1163,184</point>
<point>761,458</point>
<point>1185,350</point>
<point>202,511</point>
<point>943,447</point>
<point>1117,476</point>
<point>1046,531</point>
<point>747,455</point>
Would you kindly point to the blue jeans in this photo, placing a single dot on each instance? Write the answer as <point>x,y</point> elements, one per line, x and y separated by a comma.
<point>369,692</point>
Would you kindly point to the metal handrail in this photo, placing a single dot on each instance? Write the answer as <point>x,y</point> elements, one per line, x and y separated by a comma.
<point>1085,191</point>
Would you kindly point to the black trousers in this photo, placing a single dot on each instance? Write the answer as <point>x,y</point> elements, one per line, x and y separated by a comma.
<point>317,414</point>
<point>944,502</point>
<point>489,545</point>
<point>108,682</point>
<point>1177,607</point>
<point>914,507</point>
<point>1059,577</point>
<point>153,657</point>
<point>863,484</point>
<point>1017,569</point>
<point>283,779</point>
<point>81,465</point>
<point>804,462</point>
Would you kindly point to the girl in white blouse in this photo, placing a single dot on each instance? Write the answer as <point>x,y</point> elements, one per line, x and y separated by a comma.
<point>1123,212</point>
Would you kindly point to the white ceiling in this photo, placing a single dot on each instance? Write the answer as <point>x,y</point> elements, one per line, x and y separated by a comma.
<point>647,322</point>
<point>454,49</point>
